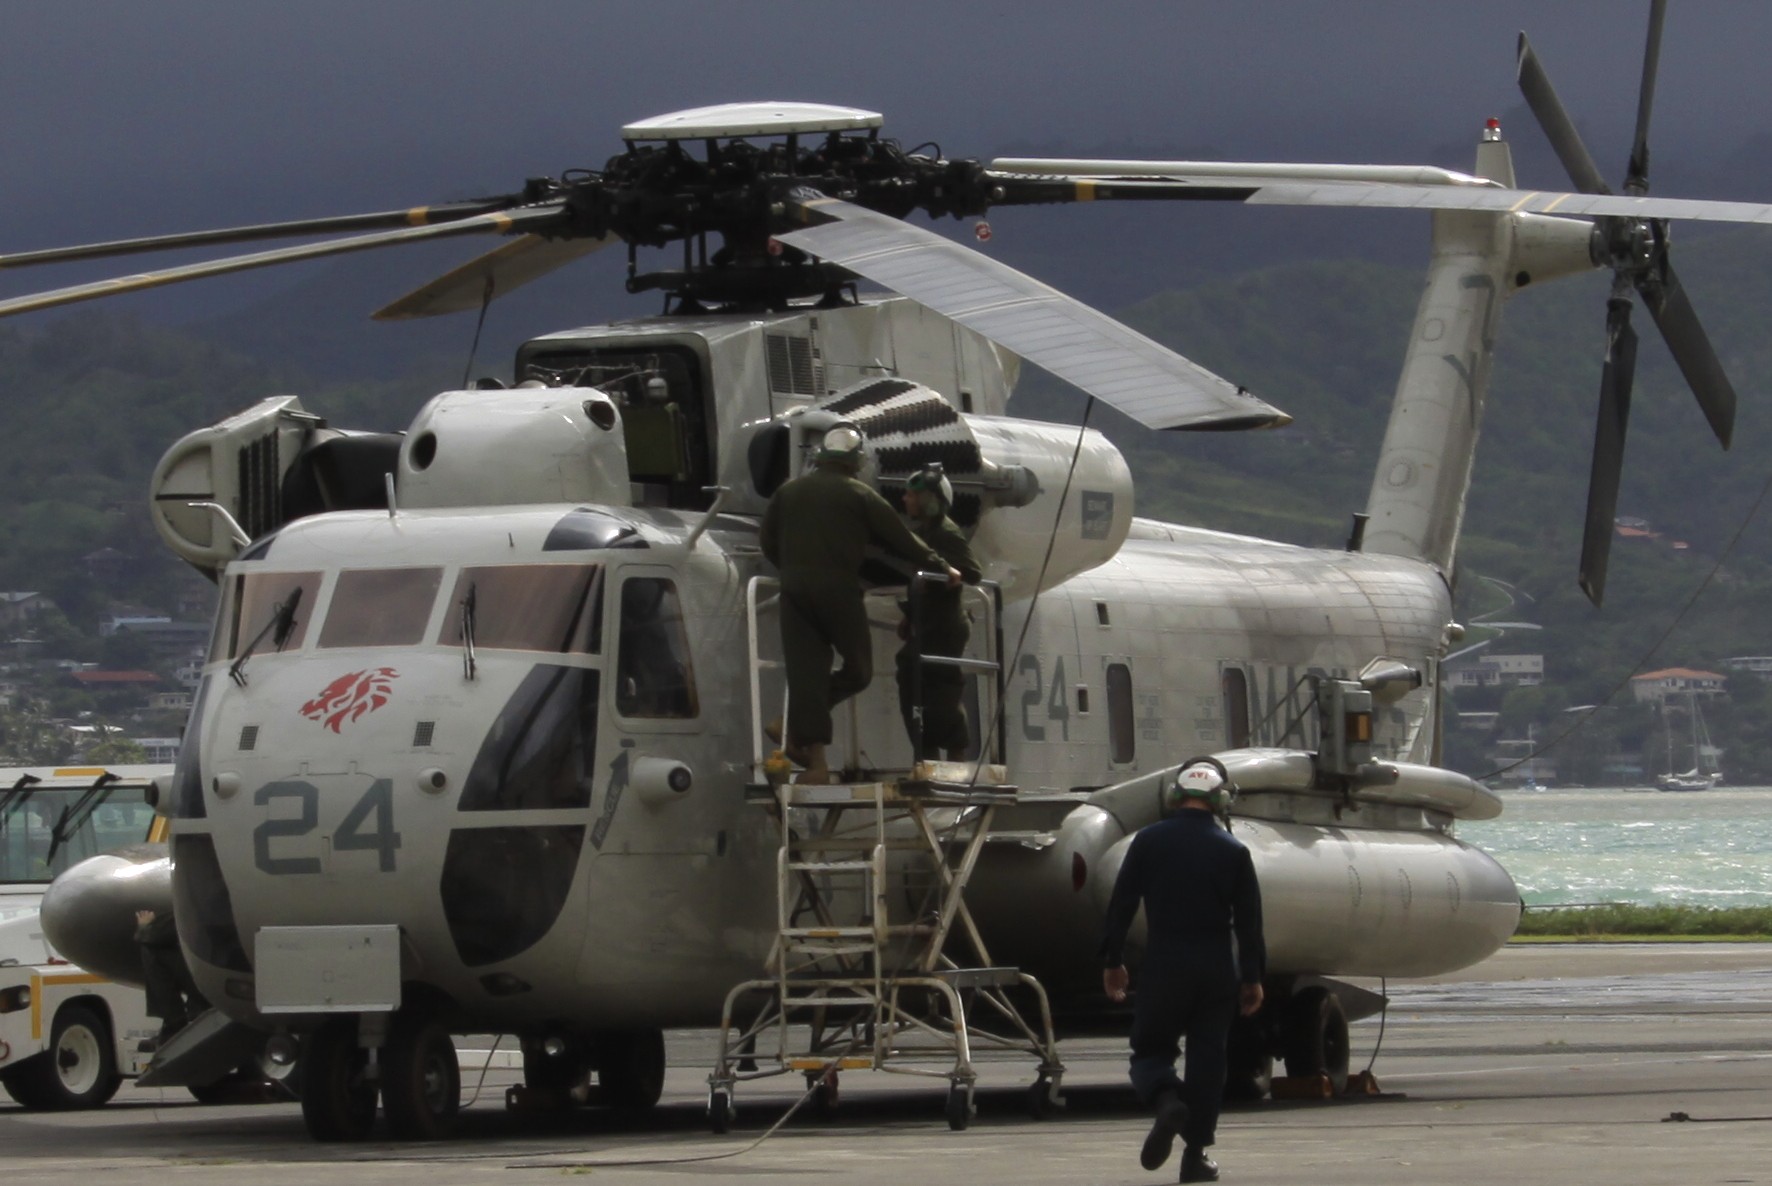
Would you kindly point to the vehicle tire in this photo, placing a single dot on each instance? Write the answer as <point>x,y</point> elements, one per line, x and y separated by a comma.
<point>420,1080</point>
<point>1316,1036</point>
<point>78,1070</point>
<point>630,1069</point>
<point>1249,1061</point>
<point>338,1097</point>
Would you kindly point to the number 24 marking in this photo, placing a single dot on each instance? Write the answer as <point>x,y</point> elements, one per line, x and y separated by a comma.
<point>377,800</point>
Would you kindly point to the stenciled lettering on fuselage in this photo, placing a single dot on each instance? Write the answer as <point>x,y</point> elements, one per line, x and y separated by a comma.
<point>1281,708</point>
<point>618,782</point>
<point>286,841</point>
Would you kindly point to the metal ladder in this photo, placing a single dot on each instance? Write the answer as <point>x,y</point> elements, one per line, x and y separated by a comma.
<point>871,881</point>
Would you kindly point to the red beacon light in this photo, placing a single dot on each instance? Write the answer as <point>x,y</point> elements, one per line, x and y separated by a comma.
<point>1492,129</point>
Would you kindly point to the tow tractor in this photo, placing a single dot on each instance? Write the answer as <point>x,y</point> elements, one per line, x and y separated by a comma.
<point>68,1037</point>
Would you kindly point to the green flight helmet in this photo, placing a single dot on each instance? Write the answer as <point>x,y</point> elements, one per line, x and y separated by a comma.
<point>931,479</point>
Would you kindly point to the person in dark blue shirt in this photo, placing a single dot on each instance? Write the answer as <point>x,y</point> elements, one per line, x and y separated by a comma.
<point>1197,884</point>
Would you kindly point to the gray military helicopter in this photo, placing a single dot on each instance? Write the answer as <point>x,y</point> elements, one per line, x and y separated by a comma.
<point>471,749</point>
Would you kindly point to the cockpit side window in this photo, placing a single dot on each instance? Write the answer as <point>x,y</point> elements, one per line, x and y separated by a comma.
<point>654,676</point>
<point>380,607</point>
<point>528,607</point>
<point>252,605</point>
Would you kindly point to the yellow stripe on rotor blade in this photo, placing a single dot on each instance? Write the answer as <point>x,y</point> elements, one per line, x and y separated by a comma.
<point>418,216</point>
<point>1085,191</point>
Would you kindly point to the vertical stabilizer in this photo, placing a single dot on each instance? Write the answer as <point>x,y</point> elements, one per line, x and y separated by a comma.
<point>1479,260</point>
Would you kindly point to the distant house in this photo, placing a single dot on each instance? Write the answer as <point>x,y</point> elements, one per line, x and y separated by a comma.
<point>1760,665</point>
<point>110,681</point>
<point>1492,671</point>
<point>161,751</point>
<point>169,702</point>
<point>19,608</point>
<point>1679,683</point>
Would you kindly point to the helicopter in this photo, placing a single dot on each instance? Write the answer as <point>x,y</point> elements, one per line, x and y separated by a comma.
<point>470,749</point>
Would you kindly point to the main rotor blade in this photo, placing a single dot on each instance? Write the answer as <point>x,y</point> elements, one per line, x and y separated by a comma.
<point>1391,187</point>
<point>1674,316</point>
<point>496,223</point>
<point>490,276</point>
<point>1535,84</point>
<point>1608,462</point>
<point>1118,365</point>
<point>416,216</point>
<point>1636,178</point>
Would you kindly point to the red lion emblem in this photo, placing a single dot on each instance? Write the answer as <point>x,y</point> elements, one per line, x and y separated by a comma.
<point>351,696</point>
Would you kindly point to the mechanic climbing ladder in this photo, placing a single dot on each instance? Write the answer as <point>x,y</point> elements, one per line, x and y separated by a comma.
<point>871,915</point>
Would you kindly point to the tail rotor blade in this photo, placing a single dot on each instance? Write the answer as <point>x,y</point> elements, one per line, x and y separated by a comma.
<point>1672,310</point>
<point>1636,179</point>
<point>1535,85</point>
<point>1608,462</point>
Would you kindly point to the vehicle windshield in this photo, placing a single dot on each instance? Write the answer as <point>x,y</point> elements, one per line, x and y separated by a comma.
<point>110,819</point>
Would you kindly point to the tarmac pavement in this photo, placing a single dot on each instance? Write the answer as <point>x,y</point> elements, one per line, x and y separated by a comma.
<point>1545,1064</point>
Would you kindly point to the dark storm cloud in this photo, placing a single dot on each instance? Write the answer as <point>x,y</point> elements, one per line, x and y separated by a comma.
<point>126,118</point>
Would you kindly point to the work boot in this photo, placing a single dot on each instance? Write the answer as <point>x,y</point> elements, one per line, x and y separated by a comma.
<point>1196,1166</point>
<point>816,772</point>
<point>1171,1115</point>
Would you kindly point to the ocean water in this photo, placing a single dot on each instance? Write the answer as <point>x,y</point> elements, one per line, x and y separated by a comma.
<point>1704,848</point>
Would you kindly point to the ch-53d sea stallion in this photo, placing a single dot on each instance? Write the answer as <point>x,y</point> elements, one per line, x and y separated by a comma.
<point>485,696</point>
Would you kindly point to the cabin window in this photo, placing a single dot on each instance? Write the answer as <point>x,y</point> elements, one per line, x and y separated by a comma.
<point>380,607</point>
<point>253,606</point>
<point>1236,707</point>
<point>528,607</point>
<point>654,675</point>
<point>1121,738</point>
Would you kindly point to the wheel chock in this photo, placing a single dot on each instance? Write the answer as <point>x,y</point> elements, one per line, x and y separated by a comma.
<point>1361,1083</point>
<point>1303,1087</point>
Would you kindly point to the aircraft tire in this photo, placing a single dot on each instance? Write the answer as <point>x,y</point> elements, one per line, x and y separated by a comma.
<point>1316,1041</point>
<point>420,1080</point>
<point>338,1097</point>
<point>79,1070</point>
<point>630,1069</point>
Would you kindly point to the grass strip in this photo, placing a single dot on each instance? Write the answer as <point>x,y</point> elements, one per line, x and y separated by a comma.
<point>1627,922</point>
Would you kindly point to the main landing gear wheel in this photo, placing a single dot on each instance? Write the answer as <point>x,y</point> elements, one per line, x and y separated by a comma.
<point>420,1080</point>
<point>631,1069</point>
<point>1316,1036</point>
<point>79,1070</point>
<point>959,1106</point>
<point>338,1096</point>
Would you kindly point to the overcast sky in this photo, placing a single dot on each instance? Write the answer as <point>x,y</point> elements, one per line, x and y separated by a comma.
<point>123,118</point>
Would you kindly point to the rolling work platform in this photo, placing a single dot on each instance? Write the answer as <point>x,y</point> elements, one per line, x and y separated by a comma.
<point>876,963</point>
<point>871,881</point>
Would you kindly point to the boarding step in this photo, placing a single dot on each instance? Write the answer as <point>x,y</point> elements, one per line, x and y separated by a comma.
<point>829,866</point>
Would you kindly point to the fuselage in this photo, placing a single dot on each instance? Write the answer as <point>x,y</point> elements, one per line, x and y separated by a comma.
<point>461,733</point>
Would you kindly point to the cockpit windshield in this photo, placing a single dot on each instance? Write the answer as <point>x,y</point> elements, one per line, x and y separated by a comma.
<point>528,607</point>
<point>380,607</point>
<point>253,608</point>
<point>90,821</point>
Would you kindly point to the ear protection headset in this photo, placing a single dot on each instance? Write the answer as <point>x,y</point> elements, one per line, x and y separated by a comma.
<point>1205,778</point>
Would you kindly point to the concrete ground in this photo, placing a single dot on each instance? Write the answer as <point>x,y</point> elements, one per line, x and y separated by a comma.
<point>1618,1064</point>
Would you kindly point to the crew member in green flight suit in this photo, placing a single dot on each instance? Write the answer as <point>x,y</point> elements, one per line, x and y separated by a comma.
<point>928,497</point>
<point>816,532</point>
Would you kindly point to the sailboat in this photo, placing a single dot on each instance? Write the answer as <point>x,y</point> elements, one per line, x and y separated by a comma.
<point>1704,773</point>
